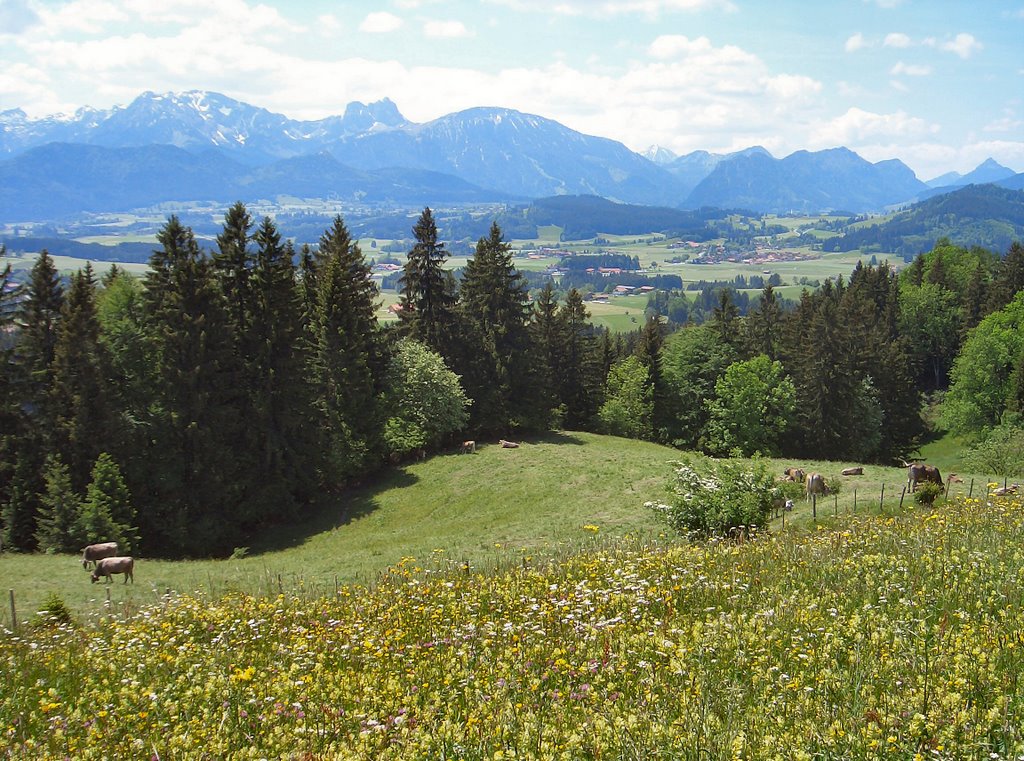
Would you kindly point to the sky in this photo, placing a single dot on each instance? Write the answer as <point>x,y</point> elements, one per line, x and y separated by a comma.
<point>938,84</point>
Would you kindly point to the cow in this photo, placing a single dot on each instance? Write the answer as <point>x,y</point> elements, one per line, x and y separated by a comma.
<point>468,447</point>
<point>508,444</point>
<point>918,472</point>
<point>109,566</point>
<point>95,552</point>
<point>953,478</point>
<point>816,485</point>
<point>1005,491</point>
<point>858,471</point>
<point>795,474</point>
<point>781,504</point>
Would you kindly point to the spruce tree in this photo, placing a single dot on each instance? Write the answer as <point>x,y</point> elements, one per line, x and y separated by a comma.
<point>282,419</point>
<point>79,395</point>
<point>648,350</point>
<point>20,512</point>
<point>494,306</point>
<point>58,526</point>
<point>428,291</point>
<point>107,512</point>
<point>725,317</point>
<point>349,360</point>
<point>547,336</point>
<point>194,482</point>
<point>763,325</point>
<point>578,388</point>
<point>1007,279</point>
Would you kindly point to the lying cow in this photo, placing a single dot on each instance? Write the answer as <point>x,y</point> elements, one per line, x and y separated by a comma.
<point>1005,491</point>
<point>508,444</point>
<point>918,473</point>
<point>815,484</point>
<point>858,471</point>
<point>109,566</point>
<point>95,552</point>
<point>796,475</point>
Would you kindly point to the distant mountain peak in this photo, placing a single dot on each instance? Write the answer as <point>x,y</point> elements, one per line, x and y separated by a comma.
<point>366,116</point>
<point>659,155</point>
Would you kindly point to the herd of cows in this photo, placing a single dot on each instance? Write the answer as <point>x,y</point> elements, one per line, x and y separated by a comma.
<point>107,562</point>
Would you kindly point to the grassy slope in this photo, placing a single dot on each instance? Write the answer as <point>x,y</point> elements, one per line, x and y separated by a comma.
<point>491,508</point>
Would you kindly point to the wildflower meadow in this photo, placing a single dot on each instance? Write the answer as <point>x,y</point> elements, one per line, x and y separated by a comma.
<point>883,638</point>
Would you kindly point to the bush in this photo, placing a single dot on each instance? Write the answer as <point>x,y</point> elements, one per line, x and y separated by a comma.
<point>926,494</point>
<point>711,497</point>
<point>55,612</point>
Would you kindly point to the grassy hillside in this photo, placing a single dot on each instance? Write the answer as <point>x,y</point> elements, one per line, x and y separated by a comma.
<point>490,509</point>
<point>890,638</point>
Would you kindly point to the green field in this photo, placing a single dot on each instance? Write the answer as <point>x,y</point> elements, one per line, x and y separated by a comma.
<point>516,619</point>
<point>487,509</point>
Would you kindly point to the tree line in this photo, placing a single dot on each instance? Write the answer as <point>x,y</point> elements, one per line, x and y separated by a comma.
<point>183,412</point>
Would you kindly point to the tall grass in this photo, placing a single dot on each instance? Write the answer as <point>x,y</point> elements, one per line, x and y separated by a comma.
<point>886,638</point>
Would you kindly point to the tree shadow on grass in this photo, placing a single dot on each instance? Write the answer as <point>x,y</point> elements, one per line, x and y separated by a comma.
<point>332,511</point>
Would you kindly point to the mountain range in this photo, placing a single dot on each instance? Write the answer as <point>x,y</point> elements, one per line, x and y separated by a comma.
<point>206,146</point>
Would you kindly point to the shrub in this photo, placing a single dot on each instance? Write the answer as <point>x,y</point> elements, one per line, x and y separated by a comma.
<point>926,494</point>
<point>710,497</point>
<point>55,612</point>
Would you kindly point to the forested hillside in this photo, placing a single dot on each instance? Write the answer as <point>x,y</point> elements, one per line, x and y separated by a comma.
<point>183,412</point>
<point>978,215</point>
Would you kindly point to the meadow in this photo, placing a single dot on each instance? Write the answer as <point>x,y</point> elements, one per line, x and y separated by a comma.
<point>878,637</point>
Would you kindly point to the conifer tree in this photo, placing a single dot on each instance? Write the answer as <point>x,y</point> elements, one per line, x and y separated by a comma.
<point>232,263</point>
<point>547,336</point>
<point>79,393</point>
<point>20,511</point>
<point>38,340</point>
<point>349,360</point>
<point>1008,278</point>
<point>281,396</point>
<point>494,306</point>
<point>763,325</point>
<point>579,392</point>
<point>428,291</point>
<point>725,316</point>
<point>11,417</point>
<point>194,475</point>
<point>107,513</point>
<point>58,526</point>
<point>648,350</point>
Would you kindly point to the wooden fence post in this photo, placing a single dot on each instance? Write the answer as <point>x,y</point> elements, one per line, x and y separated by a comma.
<point>970,492</point>
<point>881,499</point>
<point>814,506</point>
<point>854,499</point>
<point>902,495</point>
<point>14,614</point>
<point>835,510</point>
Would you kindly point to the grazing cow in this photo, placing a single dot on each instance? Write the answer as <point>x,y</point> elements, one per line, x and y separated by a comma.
<point>953,478</point>
<point>816,485</point>
<point>468,447</point>
<point>109,566</point>
<point>508,444</point>
<point>780,504</point>
<point>858,471</point>
<point>95,552</point>
<point>795,474</point>
<point>918,472</point>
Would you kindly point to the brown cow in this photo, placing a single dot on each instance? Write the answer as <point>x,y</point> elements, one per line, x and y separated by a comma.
<point>96,552</point>
<point>858,471</point>
<point>508,444</point>
<point>795,474</point>
<point>109,566</point>
<point>918,472</point>
<point>816,485</point>
<point>468,447</point>
<point>1005,491</point>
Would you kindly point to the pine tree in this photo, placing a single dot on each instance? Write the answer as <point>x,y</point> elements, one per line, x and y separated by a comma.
<point>494,305</point>
<point>11,417</point>
<point>107,513</point>
<point>579,392</point>
<point>232,264</point>
<point>20,511</point>
<point>1007,279</point>
<point>763,325</point>
<point>725,316</point>
<point>79,393</point>
<point>282,400</point>
<point>57,527</point>
<point>547,336</point>
<point>648,350</point>
<point>193,482</point>
<point>349,360</point>
<point>428,291</point>
<point>975,296</point>
<point>40,319</point>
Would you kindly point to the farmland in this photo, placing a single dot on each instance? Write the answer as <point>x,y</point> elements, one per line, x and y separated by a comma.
<point>538,629</point>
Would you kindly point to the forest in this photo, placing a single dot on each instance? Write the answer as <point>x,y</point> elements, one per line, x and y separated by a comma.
<point>182,412</point>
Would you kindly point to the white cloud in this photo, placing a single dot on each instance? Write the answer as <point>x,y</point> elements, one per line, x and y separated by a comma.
<point>435,28</point>
<point>910,70</point>
<point>16,16</point>
<point>328,24</point>
<point>964,45</point>
<point>858,126</point>
<point>1006,123</point>
<point>899,86</point>
<point>897,40</point>
<point>855,42</point>
<point>605,8</point>
<point>380,22</point>
<point>89,16</point>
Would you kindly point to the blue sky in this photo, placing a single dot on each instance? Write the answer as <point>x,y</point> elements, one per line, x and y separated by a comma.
<point>936,83</point>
